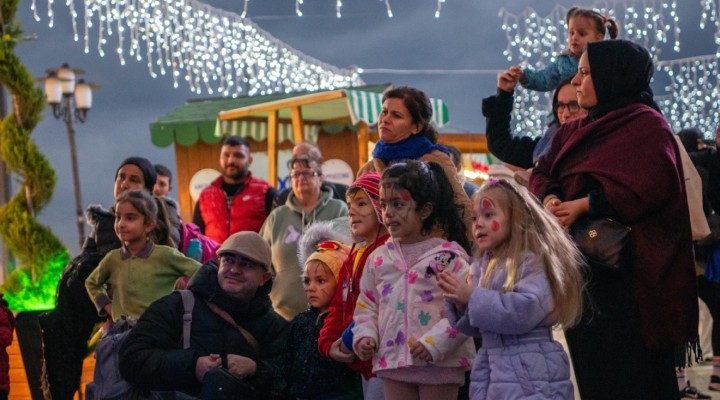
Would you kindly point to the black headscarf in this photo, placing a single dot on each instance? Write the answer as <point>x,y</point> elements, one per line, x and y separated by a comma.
<point>621,71</point>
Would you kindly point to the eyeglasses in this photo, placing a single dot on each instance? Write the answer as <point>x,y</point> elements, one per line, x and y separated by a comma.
<point>305,174</point>
<point>572,106</point>
<point>227,260</point>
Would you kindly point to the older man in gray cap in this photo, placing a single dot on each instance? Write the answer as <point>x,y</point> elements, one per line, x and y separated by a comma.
<point>233,327</point>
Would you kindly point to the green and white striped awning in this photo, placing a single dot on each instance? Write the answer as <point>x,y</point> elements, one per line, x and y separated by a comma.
<point>366,106</point>
<point>332,111</point>
<point>257,130</point>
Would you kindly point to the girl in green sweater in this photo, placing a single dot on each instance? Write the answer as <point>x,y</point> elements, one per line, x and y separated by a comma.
<point>141,271</point>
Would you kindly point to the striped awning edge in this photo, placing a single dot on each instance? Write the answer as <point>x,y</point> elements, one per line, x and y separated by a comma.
<point>366,106</point>
<point>258,130</point>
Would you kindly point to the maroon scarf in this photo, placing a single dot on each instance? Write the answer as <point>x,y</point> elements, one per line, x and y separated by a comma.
<point>631,153</point>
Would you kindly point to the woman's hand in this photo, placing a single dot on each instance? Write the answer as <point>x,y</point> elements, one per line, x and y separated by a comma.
<point>507,82</point>
<point>340,353</point>
<point>418,350</point>
<point>567,212</point>
<point>240,366</point>
<point>205,364</point>
<point>367,347</point>
<point>455,290</point>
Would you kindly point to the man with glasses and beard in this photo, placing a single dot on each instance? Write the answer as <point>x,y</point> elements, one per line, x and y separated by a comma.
<point>236,201</point>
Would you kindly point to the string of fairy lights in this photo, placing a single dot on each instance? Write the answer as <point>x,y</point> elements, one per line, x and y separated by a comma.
<point>215,51</point>
<point>339,5</point>
<point>691,98</point>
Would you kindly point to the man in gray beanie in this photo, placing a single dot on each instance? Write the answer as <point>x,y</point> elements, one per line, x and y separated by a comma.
<point>233,327</point>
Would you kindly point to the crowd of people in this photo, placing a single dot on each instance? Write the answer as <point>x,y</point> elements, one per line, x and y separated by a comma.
<point>411,283</point>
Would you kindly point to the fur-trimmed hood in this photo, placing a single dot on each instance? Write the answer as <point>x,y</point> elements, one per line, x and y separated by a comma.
<point>337,229</point>
<point>102,235</point>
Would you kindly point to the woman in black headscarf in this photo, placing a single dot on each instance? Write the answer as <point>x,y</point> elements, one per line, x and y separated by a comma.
<point>621,162</point>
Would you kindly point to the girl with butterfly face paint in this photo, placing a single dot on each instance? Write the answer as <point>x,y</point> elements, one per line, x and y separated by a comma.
<point>399,316</point>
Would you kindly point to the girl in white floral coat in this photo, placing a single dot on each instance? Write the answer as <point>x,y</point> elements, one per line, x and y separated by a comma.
<point>399,317</point>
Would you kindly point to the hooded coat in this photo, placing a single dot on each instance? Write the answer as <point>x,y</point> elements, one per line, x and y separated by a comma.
<point>152,357</point>
<point>399,302</point>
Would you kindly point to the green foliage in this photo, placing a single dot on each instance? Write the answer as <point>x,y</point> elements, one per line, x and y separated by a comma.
<point>41,255</point>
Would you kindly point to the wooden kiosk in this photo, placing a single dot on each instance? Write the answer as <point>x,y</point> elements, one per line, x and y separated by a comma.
<point>339,121</point>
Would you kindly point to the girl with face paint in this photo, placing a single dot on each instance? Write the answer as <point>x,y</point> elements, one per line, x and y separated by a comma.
<point>399,316</point>
<point>369,233</point>
<point>527,280</point>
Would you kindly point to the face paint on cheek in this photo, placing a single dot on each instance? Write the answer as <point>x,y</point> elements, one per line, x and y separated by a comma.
<point>495,226</point>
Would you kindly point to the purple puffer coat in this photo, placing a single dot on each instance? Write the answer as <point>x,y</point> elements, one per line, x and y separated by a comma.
<point>518,358</point>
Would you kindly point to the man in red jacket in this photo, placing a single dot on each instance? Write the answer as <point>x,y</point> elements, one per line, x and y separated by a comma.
<point>235,201</point>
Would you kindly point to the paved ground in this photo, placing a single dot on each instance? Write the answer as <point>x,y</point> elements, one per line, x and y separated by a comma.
<point>699,377</point>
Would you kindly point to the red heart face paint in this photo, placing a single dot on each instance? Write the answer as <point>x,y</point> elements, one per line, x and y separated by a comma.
<point>491,226</point>
<point>405,196</point>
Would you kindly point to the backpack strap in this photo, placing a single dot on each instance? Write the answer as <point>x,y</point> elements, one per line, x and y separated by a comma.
<point>188,300</point>
<point>246,334</point>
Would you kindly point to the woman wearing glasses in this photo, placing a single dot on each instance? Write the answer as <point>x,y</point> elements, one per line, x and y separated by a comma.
<point>308,202</point>
<point>524,151</point>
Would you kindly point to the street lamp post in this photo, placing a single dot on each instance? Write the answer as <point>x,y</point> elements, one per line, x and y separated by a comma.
<point>70,101</point>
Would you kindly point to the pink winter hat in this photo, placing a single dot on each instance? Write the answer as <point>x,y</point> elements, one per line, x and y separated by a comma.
<point>370,183</point>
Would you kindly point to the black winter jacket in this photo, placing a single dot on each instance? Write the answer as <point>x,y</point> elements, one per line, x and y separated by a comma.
<point>515,150</point>
<point>152,357</point>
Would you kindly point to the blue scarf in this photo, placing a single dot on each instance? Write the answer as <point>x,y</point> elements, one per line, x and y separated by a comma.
<point>412,148</point>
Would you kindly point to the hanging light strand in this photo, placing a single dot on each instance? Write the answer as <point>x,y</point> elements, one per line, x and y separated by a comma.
<point>710,11</point>
<point>213,50</point>
<point>694,95</point>
<point>534,40</point>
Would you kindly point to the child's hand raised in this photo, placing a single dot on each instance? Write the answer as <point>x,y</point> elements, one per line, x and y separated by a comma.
<point>517,72</point>
<point>366,348</point>
<point>456,290</point>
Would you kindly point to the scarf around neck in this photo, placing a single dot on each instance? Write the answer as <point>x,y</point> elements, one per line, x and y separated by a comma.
<point>411,148</point>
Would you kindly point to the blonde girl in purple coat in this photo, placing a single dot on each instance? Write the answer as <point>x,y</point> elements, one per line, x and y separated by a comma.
<point>527,280</point>
<point>399,316</point>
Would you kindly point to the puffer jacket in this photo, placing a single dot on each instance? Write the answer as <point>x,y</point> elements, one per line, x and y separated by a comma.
<point>152,357</point>
<point>518,358</point>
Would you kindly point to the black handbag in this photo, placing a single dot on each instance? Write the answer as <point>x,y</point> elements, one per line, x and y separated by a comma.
<point>603,242</point>
<point>220,384</point>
